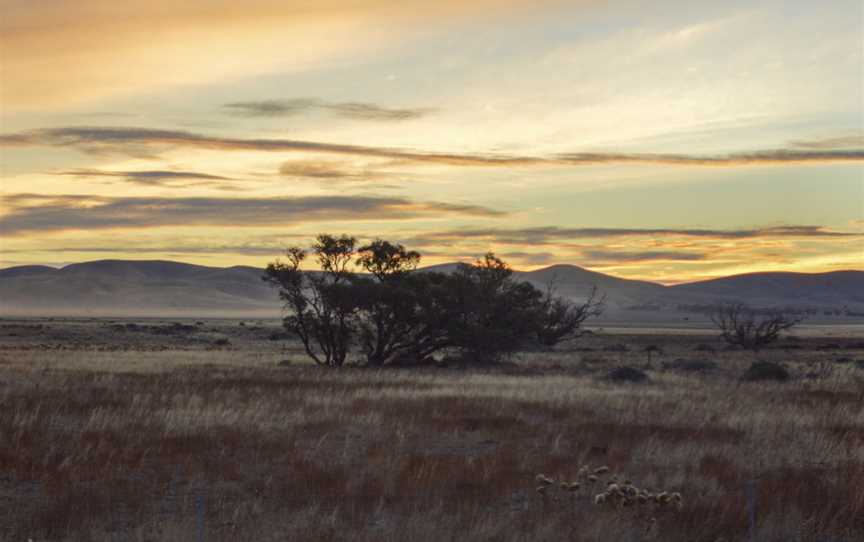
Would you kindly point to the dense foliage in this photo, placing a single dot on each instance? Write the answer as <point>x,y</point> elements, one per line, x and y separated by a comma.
<point>392,314</point>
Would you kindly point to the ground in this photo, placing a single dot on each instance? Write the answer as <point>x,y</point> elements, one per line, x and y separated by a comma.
<point>220,430</point>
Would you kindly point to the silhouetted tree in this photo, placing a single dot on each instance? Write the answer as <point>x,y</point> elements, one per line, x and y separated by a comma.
<point>748,328</point>
<point>321,305</point>
<point>397,315</point>
<point>388,302</point>
<point>492,314</point>
<point>561,319</point>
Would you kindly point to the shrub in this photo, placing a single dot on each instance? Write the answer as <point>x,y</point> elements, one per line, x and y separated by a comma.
<point>745,327</point>
<point>627,374</point>
<point>765,370</point>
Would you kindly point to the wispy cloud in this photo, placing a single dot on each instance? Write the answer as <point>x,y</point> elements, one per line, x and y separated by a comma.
<point>321,170</point>
<point>844,142</point>
<point>130,140</point>
<point>349,110</point>
<point>152,177</point>
<point>641,256</point>
<point>33,212</point>
<point>554,235</point>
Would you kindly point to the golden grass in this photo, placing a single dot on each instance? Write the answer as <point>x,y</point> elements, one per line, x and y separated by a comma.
<point>148,445</point>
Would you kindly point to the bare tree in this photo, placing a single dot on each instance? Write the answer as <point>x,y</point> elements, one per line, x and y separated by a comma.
<point>560,319</point>
<point>749,328</point>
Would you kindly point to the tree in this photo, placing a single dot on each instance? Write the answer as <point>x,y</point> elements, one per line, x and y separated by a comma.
<point>321,306</point>
<point>560,319</point>
<point>388,302</point>
<point>491,314</point>
<point>396,315</point>
<point>749,328</point>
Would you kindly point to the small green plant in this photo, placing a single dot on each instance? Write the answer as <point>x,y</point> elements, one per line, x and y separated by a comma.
<point>603,490</point>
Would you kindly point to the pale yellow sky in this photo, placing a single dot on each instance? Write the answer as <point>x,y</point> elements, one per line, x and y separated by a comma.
<point>690,142</point>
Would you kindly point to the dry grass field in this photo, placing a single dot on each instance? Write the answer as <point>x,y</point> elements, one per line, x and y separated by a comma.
<point>193,431</point>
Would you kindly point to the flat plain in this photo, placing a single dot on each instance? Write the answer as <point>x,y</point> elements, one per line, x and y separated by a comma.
<point>221,430</point>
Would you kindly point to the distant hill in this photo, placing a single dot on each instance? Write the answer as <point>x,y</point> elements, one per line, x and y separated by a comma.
<point>166,288</point>
<point>136,288</point>
<point>815,289</point>
<point>576,282</point>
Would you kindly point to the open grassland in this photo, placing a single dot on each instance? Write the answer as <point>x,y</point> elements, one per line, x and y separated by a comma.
<point>155,431</point>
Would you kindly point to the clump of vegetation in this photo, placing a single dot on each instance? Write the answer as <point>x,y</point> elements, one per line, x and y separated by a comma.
<point>652,349</point>
<point>766,370</point>
<point>223,341</point>
<point>691,365</point>
<point>626,374</point>
<point>394,315</point>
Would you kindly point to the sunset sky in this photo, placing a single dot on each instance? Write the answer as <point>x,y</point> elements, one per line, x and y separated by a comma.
<point>667,141</point>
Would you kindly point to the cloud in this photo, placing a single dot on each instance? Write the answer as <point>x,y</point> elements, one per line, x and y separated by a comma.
<point>552,234</point>
<point>350,110</point>
<point>134,141</point>
<point>846,142</point>
<point>318,170</point>
<point>529,258</point>
<point>244,250</point>
<point>151,177</point>
<point>761,157</point>
<point>34,212</point>
<point>642,256</point>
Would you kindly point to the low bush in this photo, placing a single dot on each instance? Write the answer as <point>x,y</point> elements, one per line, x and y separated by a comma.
<point>626,374</point>
<point>691,365</point>
<point>766,370</point>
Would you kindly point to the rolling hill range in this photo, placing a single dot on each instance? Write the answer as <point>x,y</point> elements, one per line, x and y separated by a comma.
<point>165,288</point>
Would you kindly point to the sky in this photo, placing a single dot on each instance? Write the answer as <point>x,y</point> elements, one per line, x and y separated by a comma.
<point>667,141</point>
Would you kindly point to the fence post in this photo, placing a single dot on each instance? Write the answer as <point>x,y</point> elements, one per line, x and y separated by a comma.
<point>199,512</point>
<point>751,508</point>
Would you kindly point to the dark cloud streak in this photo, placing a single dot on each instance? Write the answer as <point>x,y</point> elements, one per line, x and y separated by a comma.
<point>150,177</point>
<point>350,110</point>
<point>642,256</point>
<point>31,212</point>
<point>552,234</point>
<point>134,141</point>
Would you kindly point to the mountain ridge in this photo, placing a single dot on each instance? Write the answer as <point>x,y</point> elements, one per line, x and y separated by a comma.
<point>166,287</point>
